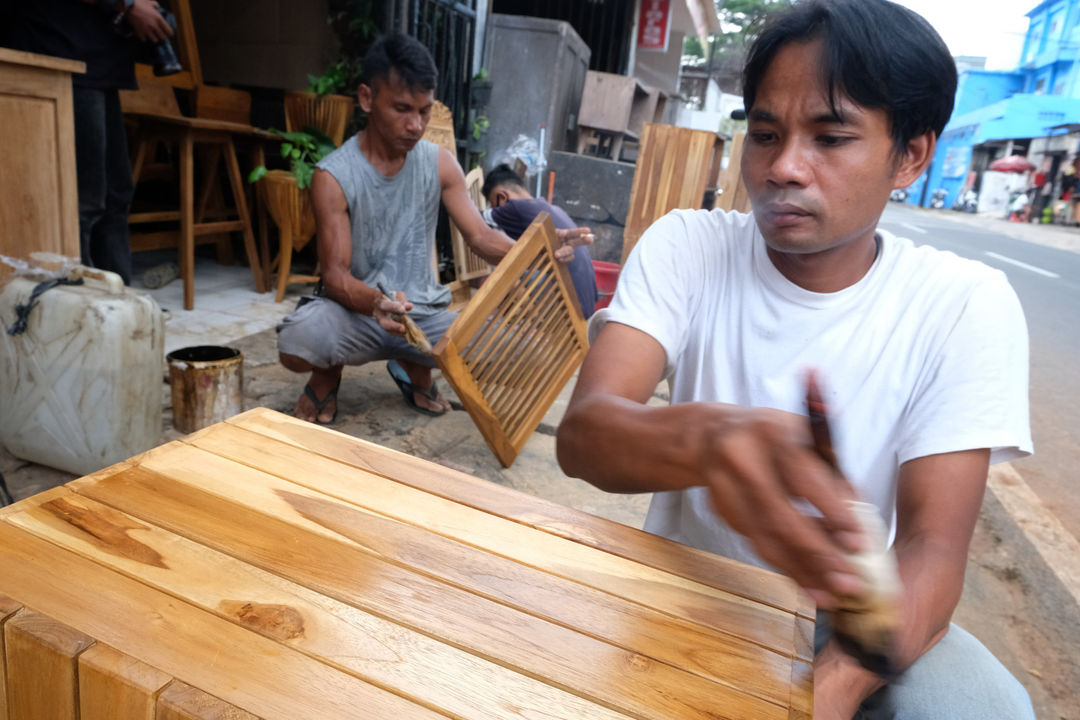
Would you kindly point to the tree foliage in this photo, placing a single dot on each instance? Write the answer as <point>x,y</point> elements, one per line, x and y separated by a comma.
<point>741,20</point>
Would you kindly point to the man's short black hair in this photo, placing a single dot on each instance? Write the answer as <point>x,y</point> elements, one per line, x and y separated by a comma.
<point>877,53</point>
<point>403,54</point>
<point>501,175</point>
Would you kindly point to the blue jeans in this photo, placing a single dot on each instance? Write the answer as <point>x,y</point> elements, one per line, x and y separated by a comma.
<point>958,679</point>
<point>104,181</point>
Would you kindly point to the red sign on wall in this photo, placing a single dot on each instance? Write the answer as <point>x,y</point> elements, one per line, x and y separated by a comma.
<point>654,25</point>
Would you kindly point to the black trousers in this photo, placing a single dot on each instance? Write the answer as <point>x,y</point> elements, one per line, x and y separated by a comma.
<point>104,181</point>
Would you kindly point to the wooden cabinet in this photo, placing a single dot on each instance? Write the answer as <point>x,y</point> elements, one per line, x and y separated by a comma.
<point>38,201</point>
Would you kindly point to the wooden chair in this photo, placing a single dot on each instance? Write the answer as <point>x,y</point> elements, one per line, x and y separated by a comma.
<point>158,120</point>
<point>516,344</point>
<point>440,130</point>
<point>674,167</point>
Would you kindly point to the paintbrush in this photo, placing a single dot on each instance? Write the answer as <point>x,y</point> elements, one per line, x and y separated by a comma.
<point>864,625</point>
<point>413,334</point>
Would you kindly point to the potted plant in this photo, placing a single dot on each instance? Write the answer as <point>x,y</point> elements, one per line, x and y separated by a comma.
<point>287,195</point>
<point>480,89</point>
<point>320,106</point>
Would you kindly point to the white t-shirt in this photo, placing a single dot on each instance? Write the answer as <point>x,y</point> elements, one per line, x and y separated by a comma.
<point>926,354</point>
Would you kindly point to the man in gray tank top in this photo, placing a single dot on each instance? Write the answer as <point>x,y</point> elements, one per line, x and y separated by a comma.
<point>376,202</point>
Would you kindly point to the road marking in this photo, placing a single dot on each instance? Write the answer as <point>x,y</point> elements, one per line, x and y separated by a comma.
<point>1051,540</point>
<point>916,228</point>
<point>1024,265</point>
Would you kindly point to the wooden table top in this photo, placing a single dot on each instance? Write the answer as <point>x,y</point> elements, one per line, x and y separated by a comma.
<point>296,572</point>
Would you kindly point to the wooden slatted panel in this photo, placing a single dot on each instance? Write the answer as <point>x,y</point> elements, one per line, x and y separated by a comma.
<point>183,702</point>
<point>114,685</point>
<point>256,673</point>
<point>467,264</point>
<point>673,169</point>
<point>41,667</point>
<point>589,530</point>
<point>8,608</point>
<point>517,343</point>
<point>329,113</point>
<point>734,195</point>
<point>327,557</point>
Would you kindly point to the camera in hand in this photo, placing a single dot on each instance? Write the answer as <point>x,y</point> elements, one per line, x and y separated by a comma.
<point>161,54</point>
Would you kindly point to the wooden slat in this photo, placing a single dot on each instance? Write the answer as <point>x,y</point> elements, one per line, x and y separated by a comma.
<point>321,559</point>
<point>672,172</point>
<point>362,644</point>
<point>630,623</point>
<point>8,607</point>
<point>41,667</point>
<point>734,195</point>
<point>639,546</point>
<point>693,602</point>
<point>114,685</point>
<point>505,294</point>
<point>469,265</point>
<point>215,655</point>
<point>180,701</point>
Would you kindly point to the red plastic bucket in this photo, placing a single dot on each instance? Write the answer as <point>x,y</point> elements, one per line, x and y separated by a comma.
<point>607,277</point>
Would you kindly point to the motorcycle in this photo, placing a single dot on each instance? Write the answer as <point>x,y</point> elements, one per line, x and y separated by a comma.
<point>937,200</point>
<point>967,202</point>
<point>899,195</point>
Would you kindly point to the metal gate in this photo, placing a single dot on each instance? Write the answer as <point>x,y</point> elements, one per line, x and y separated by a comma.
<point>448,29</point>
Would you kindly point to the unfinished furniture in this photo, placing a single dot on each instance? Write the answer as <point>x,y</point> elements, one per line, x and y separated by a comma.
<point>674,167</point>
<point>467,264</point>
<point>39,208</point>
<point>614,108</point>
<point>159,121</point>
<point>327,113</point>
<point>733,195</point>
<point>517,342</point>
<point>292,211</point>
<point>273,568</point>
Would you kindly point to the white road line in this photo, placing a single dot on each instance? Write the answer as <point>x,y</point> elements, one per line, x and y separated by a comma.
<point>1052,541</point>
<point>916,228</point>
<point>1024,265</point>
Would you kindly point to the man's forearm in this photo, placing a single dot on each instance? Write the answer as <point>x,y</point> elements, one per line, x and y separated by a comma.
<point>620,445</point>
<point>490,244</point>
<point>350,293</point>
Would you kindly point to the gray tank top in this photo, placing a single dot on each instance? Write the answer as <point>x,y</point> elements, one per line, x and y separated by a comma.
<point>393,222</point>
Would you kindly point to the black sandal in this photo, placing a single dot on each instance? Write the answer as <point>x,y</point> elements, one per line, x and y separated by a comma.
<point>408,389</point>
<point>320,404</point>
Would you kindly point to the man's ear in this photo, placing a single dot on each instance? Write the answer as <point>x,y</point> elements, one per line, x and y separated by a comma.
<point>365,95</point>
<point>917,155</point>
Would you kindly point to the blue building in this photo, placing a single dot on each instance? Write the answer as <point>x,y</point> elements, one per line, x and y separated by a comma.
<point>1033,110</point>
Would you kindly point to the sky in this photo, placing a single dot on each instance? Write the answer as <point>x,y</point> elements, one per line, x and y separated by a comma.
<point>990,28</point>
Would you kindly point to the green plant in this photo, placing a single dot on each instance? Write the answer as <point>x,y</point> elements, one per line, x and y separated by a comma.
<point>481,76</point>
<point>303,150</point>
<point>480,126</point>
<point>332,81</point>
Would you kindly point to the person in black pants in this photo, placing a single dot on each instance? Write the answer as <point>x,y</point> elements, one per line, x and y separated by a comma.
<point>104,35</point>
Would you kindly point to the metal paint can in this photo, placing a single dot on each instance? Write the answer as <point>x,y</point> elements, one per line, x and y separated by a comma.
<point>207,385</point>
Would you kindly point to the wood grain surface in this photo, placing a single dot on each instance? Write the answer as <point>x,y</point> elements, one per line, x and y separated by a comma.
<point>268,568</point>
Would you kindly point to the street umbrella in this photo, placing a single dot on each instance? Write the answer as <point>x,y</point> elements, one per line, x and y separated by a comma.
<point>1013,163</point>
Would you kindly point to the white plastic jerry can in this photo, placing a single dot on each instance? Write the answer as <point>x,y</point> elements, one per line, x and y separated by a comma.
<point>81,387</point>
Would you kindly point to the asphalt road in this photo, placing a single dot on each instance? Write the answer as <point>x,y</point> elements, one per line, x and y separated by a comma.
<point>1047,280</point>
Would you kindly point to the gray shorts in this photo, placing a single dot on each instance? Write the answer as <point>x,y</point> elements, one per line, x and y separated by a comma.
<point>327,335</point>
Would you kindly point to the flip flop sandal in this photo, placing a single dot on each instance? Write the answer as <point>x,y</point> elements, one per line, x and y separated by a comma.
<point>320,404</point>
<point>408,388</point>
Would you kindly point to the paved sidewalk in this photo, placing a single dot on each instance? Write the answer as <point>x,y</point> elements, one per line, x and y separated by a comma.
<point>1062,237</point>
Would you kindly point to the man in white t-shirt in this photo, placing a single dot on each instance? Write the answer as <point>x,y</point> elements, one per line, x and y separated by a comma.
<point>922,356</point>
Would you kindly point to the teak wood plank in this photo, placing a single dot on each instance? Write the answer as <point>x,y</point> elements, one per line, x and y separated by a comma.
<point>8,607</point>
<point>114,685</point>
<point>42,658</point>
<point>642,547</point>
<point>625,623</point>
<point>364,645</point>
<point>322,560</point>
<point>180,701</point>
<point>225,660</point>
<point>618,576</point>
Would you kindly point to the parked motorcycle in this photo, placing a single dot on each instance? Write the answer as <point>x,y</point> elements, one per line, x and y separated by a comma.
<point>899,195</point>
<point>967,202</point>
<point>937,200</point>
